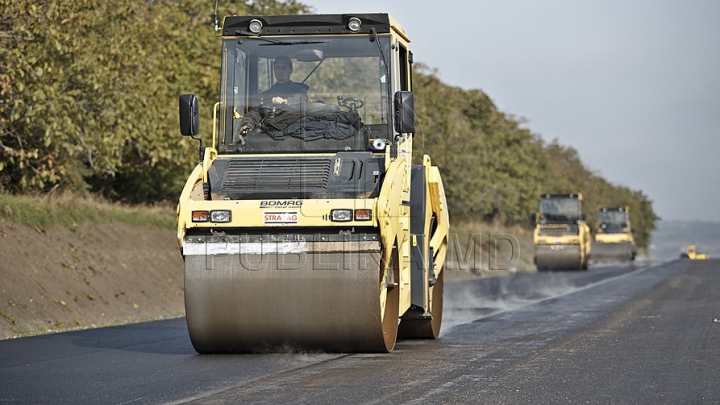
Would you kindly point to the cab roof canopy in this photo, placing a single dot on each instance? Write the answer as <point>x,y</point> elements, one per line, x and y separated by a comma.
<point>570,195</point>
<point>620,209</point>
<point>304,24</point>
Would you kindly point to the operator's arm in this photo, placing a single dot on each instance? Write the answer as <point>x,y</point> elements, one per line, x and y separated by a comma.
<point>250,120</point>
<point>289,93</point>
<point>296,98</point>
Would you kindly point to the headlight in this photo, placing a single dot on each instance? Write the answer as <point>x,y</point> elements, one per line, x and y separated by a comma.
<point>379,144</point>
<point>341,215</point>
<point>220,216</point>
<point>354,24</point>
<point>255,26</point>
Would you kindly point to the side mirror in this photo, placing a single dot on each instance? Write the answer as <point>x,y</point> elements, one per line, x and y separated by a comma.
<point>404,112</point>
<point>583,216</point>
<point>533,217</point>
<point>189,115</point>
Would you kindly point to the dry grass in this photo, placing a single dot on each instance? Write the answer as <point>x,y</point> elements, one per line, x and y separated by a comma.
<point>47,211</point>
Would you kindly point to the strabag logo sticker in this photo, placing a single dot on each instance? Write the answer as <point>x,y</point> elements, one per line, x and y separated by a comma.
<point>281,204</point>
<point>280,217</point>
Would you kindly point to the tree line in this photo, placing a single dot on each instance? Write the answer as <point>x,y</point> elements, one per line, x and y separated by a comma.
<point>495,170</point>
<point>88,103</point>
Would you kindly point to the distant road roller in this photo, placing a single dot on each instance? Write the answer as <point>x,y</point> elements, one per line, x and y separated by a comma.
<point>692,254</point>
<point>614,239</point>
<point>306,224</point>
<point>561,238</point>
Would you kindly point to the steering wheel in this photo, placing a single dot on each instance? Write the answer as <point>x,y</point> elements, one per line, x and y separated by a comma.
<point>351,103</point>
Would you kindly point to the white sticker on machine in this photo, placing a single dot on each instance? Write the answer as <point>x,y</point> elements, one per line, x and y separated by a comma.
<point>280,217</point>
<point>247,248</point>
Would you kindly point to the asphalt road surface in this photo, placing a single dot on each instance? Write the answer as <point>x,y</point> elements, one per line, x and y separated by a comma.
<point>611,335</point>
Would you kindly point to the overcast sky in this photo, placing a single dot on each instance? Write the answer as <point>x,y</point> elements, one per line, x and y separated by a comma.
<point>633,85</point>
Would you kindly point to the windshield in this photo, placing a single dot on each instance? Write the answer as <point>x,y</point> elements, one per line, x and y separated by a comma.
<point>612,217</point>
<point>562,209</point>
<point>327,94</point>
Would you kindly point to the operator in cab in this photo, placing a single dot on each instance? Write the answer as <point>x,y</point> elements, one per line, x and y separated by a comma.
<point>283,92</point>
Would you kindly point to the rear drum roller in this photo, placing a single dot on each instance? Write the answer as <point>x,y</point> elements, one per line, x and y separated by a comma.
<point>426,328</point>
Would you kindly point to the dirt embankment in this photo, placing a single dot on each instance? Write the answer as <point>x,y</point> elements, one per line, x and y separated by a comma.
<point>99,274</point>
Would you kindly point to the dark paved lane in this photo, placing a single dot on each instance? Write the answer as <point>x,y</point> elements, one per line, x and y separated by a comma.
<point>614,334</point>
<point>663,346</point>
<point>143,363</point>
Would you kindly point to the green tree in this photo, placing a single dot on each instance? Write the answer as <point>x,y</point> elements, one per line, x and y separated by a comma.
<point>492,167</point>
<point>88,91</point>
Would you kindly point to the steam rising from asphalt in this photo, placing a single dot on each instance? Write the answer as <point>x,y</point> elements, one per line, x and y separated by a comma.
<point>471,300</point>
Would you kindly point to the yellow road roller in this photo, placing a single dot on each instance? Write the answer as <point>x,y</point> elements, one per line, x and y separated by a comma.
<point>614,241</point>
<point>561,237</point>
<point>692,254</point>
<point>306,225</point>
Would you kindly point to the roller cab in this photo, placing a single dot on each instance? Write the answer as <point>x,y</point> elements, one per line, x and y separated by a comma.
<point>305,224</point>
<point>561,237</point>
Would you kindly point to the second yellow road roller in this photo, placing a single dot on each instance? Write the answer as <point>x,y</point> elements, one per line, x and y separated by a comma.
<point>561,237</point>
<point>614,241</point>
<point>307,225</point>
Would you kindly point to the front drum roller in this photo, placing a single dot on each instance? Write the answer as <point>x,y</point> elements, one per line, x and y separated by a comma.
<point>327,296</point>
<point>558,257</point>
<point>612,252</point>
